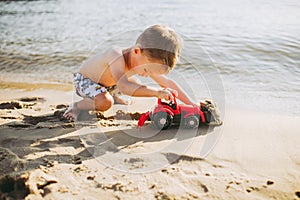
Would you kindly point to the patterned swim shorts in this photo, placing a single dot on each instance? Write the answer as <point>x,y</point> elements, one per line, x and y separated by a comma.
<point>85,87</point>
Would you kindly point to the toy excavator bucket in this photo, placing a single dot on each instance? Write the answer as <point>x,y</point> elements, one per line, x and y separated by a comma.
<point>144,117</point>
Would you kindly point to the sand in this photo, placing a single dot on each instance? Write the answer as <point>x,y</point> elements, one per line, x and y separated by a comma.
<point>43,156</point>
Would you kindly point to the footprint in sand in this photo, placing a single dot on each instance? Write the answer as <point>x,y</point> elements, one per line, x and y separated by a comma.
<point>13,187</point>
<point>8,158</point>
<point>11,105</point>
<point>24,102</point>
<point>32,99</point>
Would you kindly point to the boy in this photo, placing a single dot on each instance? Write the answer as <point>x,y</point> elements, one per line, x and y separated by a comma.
<point>156,52</point>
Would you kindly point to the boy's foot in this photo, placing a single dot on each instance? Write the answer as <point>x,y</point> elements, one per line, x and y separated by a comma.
<point>71,113</point>
<point>118,100</point>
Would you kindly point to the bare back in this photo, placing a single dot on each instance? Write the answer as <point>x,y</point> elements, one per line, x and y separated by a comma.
<point>97,68</point>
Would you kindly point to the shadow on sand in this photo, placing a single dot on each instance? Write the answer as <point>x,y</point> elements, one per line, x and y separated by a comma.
<point>39,134</point>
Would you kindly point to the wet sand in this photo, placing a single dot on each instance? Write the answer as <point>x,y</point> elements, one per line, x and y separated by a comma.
<point>44,156</point>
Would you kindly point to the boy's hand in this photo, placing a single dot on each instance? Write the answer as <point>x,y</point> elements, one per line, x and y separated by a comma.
<point>167,94</point>
<point>174,92</point>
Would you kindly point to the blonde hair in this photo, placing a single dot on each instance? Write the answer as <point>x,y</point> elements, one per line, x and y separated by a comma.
<point>162,43</point>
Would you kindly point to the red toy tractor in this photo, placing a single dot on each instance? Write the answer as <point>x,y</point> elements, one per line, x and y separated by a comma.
<point>167,113</point>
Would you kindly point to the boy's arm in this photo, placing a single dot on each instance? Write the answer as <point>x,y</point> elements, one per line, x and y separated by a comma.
<point>165,82</point>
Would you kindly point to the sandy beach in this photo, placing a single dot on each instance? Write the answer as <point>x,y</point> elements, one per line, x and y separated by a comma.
<point>244,56</point>
<point>43,156</point>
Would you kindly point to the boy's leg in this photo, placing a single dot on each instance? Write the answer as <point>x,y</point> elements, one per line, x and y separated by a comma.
<point>101,102</point>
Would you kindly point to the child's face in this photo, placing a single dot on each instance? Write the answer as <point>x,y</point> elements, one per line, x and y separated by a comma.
<point>151,68</point>
<point>145,66</point>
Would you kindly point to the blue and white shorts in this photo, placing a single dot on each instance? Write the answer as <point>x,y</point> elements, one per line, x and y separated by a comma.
<point>85,87</point>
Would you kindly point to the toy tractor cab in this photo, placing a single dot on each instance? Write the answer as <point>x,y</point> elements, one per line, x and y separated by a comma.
<point>167,113</point>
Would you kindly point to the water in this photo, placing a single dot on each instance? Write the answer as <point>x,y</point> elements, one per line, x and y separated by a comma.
<point>254,45</point>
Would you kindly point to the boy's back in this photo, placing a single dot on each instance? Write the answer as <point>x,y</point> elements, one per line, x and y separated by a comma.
<point>97,68</point>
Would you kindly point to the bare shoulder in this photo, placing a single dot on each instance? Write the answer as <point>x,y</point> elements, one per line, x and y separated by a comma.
<point>113,54</point>
<point>102,60</point>
<point>105,57</point>
<point>117,63</point>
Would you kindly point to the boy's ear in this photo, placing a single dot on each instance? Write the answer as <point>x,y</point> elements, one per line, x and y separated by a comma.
<point>136,50</point>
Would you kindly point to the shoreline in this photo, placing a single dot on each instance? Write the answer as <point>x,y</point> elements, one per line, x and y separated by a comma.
<point>35,86</point>
<point>257,155</point>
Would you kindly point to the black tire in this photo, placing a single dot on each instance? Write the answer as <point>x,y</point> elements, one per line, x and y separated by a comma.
<point>191,122</point>
<point>162,120</point>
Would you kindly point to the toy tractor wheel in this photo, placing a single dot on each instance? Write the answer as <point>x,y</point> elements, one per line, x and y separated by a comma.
<point>191,122</point>
<point>162,120</point>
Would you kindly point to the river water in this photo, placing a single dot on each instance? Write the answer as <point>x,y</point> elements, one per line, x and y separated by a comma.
<point>249,49</point>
